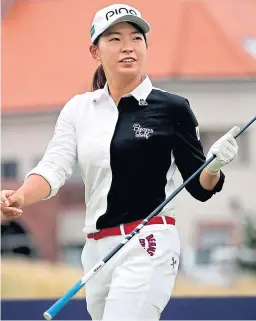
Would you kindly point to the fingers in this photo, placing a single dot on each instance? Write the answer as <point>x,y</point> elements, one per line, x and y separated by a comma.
<point>10,210</point>
<point>231,143</point>
<point>234,131</point>
<point>13,199</point>
<point>10,215</point>
<point>228,141</point>
<point>230,136</point>
<point>5,194</point>
<point>231,146</point>
<point>226,152</point>
<point>225,149</point>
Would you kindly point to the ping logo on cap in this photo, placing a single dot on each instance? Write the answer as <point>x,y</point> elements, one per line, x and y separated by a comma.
<point>111,13</point>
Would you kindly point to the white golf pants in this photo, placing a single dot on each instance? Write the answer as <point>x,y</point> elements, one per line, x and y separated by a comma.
<point>135,284</point>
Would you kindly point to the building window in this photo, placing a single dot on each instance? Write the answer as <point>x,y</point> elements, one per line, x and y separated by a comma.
<point>9,169</point>
<point>209,137</point>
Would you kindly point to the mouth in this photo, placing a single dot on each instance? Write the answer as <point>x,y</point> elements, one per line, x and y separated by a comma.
<point>128,60</point>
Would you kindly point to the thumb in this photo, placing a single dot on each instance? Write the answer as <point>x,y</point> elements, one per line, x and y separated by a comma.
<point>12,199</point>
<point>234,131</point>
<point>5,195</point>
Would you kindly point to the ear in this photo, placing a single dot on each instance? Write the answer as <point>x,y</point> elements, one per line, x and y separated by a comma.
<point>94,50</point>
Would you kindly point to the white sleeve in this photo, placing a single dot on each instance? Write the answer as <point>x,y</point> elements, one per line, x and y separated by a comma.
<point>58,161</point>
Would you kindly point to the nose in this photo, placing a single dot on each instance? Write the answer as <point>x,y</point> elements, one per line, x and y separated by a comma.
<point>127,50</point>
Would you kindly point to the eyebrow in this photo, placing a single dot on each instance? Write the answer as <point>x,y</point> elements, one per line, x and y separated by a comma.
<point>110,33</point>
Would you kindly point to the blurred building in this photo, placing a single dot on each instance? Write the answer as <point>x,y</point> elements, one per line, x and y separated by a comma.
<point>203,50</point>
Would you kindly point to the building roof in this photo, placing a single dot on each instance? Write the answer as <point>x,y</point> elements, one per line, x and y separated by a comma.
<point>45,56</point>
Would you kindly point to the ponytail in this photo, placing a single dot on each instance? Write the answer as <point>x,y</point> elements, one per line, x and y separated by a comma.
<point>99,79</point>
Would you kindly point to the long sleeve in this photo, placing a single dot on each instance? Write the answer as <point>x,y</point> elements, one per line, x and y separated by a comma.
<point>58,161</point>
<point>188,152</point>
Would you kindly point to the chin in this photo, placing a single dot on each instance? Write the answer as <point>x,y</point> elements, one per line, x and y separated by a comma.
<point>129,72</point>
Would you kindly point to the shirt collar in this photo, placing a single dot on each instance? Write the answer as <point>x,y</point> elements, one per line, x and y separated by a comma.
<point>139,93</point>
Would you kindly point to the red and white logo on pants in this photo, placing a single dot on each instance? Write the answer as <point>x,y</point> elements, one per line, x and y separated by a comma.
<point>149,244</point>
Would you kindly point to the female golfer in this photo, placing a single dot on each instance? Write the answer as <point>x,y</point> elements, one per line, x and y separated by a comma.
<point>128,138</point>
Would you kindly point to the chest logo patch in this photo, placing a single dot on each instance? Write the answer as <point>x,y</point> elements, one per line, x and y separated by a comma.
<point>141,132</point>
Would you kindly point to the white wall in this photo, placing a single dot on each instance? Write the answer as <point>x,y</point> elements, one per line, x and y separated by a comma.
<point>217,103</point>
<point>25,137</point>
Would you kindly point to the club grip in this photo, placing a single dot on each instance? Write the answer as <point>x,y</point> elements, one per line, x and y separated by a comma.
<point>58,305</point>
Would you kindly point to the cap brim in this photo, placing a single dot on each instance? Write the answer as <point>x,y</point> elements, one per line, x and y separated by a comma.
<point>135,19</point>
<point>127,18</point>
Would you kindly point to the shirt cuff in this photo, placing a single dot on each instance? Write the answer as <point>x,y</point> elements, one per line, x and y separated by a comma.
<point>219,185</point>
<point>47,175</point>
<point>197,191</point>
<point>207,194</point>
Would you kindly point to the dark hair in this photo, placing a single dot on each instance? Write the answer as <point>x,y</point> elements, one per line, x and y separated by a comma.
<point>99,77</point>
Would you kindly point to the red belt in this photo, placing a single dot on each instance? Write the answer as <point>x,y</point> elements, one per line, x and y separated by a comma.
<point>129,227</point>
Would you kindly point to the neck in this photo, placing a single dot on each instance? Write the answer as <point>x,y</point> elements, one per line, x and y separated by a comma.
<point>120,87</point>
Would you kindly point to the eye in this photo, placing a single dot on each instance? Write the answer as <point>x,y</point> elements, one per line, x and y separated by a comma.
<point>114,39</point>
<point>138,38</point>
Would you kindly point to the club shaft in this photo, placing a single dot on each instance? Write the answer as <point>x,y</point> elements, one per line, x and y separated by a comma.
<point>246,126</point>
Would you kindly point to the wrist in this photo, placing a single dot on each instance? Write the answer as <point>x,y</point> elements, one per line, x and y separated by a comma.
<point>21,195</point>
<point>214,166</point>
<point>211,171</point>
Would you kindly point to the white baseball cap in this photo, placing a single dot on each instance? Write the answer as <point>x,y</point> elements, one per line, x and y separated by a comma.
<point>114,14</point>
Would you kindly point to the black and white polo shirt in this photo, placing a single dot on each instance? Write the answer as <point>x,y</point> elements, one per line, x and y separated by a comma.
<point>127,154</point>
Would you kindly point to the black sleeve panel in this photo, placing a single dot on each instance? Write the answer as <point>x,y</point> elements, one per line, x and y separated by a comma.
<point>188,151</point>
